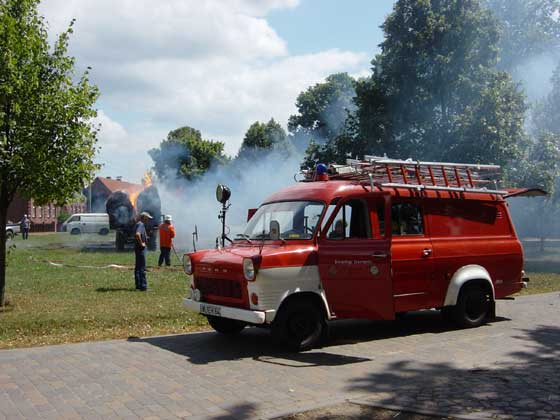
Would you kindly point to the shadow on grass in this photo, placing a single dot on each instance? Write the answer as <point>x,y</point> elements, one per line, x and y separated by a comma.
<point>115,289</point>
<point>257,344</point>
<point>98,248</point>
<point>527,385</point>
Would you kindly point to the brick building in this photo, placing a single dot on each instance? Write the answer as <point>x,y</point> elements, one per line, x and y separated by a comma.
<point>43,218</point>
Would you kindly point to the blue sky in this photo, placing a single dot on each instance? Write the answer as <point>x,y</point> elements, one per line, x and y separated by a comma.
<point>324,24</point>
<point>214,65</point>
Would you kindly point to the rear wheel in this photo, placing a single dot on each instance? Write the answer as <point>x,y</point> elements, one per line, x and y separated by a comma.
<point>225,325</point>
<point>104,231</point>
<point>75,231</point>
<point>299,325</point>
<point>473,307</point>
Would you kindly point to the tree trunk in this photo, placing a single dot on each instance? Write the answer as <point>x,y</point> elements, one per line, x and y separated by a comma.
<point>4,203</point>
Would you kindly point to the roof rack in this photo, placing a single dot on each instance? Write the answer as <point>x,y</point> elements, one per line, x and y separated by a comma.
<point>439,176</point>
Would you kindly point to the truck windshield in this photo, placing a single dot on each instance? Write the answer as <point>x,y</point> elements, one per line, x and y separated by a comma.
<point>297,220</point>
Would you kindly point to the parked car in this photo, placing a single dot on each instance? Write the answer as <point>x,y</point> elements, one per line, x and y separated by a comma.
<point>12,229</point>
<point>87,223</point>
<point>372,239</point>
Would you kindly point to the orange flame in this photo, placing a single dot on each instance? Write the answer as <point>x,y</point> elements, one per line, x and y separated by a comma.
<point>147,180</point>
<point>134,198</point>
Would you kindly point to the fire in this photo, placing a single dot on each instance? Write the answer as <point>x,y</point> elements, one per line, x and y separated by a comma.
<point>147,180</point>
<point>133,197</point>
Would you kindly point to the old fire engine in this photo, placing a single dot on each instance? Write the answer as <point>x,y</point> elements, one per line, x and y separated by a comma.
<point>371,239</point>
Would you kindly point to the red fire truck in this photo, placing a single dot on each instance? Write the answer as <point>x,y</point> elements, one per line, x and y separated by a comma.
<point>371,239</point>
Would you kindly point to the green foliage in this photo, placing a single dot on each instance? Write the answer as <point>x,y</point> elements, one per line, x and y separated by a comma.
<point>47,140</point>
<point>434,92</point>
<point>546,112</point>
<point>539,166</point>
<point>62,217</point>
<point>323,109</point>
<point>47,143</point>
<point>184,154</point>
<point>528,28</point>
<point>264,138</point>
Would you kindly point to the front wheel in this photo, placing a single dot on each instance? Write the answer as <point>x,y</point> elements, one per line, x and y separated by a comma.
<point>300,325</point>
<point>104,231</point>
<point>75,231</point>
<point>473,307</point>
<point>225,326</point>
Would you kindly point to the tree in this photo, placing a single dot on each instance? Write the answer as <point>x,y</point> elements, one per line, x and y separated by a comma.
<point>47,140</point>
<point>528,29</point>
<point>323,110</point>
<point>263,138</point>
<point>546,112</point>
<point>185,155</point>
<point>434,92</point>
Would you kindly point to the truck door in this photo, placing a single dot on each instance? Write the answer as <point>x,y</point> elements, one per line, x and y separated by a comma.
<point>412,256</point>
<point>354,257</point>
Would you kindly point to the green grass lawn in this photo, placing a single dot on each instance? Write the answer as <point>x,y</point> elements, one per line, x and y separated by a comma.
<point>51,304</point>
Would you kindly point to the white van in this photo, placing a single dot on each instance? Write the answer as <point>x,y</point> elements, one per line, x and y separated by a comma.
<point>87,223</point>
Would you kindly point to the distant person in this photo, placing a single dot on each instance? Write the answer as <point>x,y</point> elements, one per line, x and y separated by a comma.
<point>140,239</point>
<point>166,235</point>
<point>25,225</point>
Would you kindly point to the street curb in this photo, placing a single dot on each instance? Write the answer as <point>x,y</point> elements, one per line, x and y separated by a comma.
<point>418,410</point>
<point>358,401</point>
<point>305,408</point>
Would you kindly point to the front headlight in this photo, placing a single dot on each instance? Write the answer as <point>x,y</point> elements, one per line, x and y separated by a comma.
<point>249,269</point>
<point>187,264</point>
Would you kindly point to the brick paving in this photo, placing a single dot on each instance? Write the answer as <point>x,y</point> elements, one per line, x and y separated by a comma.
<point>509,369</point>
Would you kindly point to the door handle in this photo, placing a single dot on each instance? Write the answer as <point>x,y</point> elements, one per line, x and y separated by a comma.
<point>379,255</point>
<point>426,252</point>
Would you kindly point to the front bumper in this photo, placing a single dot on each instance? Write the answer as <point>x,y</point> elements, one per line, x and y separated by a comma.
<point>252,317</point>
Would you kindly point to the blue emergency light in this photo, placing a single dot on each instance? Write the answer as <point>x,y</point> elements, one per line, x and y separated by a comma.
<point>321,169</point>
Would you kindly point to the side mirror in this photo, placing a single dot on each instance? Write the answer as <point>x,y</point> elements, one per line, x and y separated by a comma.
<point>223,194</point>
<point>274,230</point>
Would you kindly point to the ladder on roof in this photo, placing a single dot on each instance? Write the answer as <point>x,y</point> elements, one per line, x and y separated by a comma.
<point>439,176</point>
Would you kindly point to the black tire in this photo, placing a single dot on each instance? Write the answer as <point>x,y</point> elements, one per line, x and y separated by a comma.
<point>104,231</point>
<point>9,235</point>
<point>120,241</point>
<point>226,326</point>
<point>300,325</point>
<point>75,231</point>
<point>473,307</point>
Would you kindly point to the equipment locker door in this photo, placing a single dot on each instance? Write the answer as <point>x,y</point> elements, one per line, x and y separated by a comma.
<point>355,260</point>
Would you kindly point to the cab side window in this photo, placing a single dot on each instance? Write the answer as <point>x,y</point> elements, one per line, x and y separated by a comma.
<point>351,221</point>
<point>406,219</point>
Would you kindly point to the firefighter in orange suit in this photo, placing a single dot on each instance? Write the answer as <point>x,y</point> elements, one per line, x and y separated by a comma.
<point>166,235</point>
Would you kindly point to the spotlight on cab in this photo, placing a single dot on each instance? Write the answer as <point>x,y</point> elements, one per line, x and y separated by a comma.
<point>223,194</point>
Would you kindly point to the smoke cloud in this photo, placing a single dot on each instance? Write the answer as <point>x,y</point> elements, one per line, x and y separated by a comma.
<point>250,182</point>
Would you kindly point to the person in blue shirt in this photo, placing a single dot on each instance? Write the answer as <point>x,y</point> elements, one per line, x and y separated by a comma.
<point>140,239</point>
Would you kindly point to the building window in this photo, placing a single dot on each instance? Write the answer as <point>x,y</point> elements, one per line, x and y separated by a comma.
<point>39,212</point>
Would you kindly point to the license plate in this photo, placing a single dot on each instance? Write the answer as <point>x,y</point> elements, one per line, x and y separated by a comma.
<point>210,310</point>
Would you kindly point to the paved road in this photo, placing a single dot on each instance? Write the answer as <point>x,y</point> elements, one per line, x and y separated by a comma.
<point>509,369</point>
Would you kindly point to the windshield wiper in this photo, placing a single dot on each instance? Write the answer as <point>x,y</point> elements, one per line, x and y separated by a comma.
<point>243,236</point>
